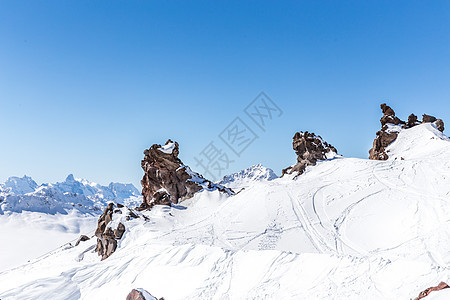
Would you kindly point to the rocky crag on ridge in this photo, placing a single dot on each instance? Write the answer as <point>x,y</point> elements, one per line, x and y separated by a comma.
<point>167,180</point>
<point>309,148</point>
<point>391,125</point>
<point>111,228</point>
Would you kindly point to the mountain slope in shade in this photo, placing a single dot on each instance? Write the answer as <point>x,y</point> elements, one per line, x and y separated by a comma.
<point>345,229</point>
<point>247,177</point>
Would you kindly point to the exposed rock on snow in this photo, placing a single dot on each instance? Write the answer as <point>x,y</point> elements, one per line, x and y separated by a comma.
<point>388,133</point>
<point>167,180</point>
<point>108,232</point>
<point>426,292</point>
<point>82,238</point>
<point>247,177</point>
<point>141,294</point>
<point>390,128</point>
<point>309,149</point>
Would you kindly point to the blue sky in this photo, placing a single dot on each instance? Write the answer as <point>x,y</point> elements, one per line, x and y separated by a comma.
<point>86,86</point>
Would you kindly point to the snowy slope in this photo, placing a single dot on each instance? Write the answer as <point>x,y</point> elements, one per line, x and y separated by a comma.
<point>247,177</point>
<point>346,229</point>
<point>35,219</point>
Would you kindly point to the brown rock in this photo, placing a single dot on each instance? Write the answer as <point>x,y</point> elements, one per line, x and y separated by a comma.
<point>412,121</point>
<point>387,135</point>
<point>309,149</point>
<point>82,238</point>
<point>389,116</point>
<point>426,292</point>
<point>167,180</point>
<point>428,119</point>
<point>440,125</point>
<point>141,295</point>
<point>135,295</point>
<point>106,236</point>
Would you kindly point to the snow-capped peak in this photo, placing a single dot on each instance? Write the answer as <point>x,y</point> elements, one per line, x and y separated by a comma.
<point>247,177</point>
<point>17,185</point>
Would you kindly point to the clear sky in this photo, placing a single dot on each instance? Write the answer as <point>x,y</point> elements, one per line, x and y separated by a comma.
<point>86,86</point>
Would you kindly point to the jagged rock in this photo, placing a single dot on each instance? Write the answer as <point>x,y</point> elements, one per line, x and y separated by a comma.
<point>141,294</point>
<point>388,133</point>
<point>82,238</point>
<point>106,235</point>
<point>412,121</point>
<point>389,130</point>
<point>167,180</point>
<point>426,292</point>
<point>428,119</point>
<point>440,125</point>
<point>389,116</point>
<point>309,149</point>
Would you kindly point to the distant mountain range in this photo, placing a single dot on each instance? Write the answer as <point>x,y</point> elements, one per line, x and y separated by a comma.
<point>18,194</point>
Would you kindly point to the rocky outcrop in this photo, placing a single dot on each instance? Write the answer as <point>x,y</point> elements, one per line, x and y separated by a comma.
<point>141,294</point>
<point>82,238</point>
<point>426,292</point>
<point>109,232</point>
<point>391,125</point>
<point>309,148</point>
<point>167,180</point>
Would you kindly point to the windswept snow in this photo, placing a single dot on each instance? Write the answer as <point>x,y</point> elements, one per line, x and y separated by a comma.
<point>345,229</point>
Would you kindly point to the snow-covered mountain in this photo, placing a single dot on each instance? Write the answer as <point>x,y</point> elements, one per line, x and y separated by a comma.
<point>24,194</point>
<point>345,229</point>
<point>247,177</point>
<point>40,218</point>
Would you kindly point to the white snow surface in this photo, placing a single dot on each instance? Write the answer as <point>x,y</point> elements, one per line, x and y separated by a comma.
<point>345,229</point>
<point>247,177</point>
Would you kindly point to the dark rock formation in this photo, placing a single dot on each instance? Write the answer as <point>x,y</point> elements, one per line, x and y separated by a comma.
<point>167,180</point>
<point>82,238</point>
<point>309,149</point>
<point>412,121</point>
<point>141,294</point>
<point>426,292</point>
<point>389,116</point>
<point>440,125</point>
<point>107,236</point>
<point>389,133</point>
<point>428,119</point>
